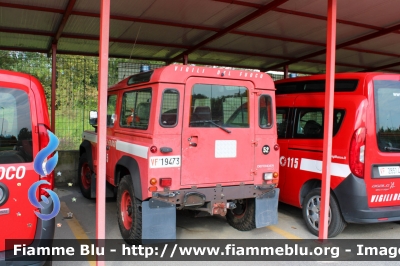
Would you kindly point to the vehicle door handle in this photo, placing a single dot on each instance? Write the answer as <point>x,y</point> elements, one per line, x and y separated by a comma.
<point>193,141</point>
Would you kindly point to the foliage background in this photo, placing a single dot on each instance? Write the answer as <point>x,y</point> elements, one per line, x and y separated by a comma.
<point>76,90</point>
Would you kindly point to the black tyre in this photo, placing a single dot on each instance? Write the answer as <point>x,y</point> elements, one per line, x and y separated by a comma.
<point>243,216</point>
<point>129,212</point>
<point>84,176</point>
<point>311,209</point>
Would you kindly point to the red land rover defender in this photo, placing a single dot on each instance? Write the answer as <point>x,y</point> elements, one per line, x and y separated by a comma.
<point>185,137</point>
<point>365,169</point>
<point>23,133</point>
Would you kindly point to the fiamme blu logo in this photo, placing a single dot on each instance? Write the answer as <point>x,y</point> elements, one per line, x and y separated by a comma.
<point>44,167</point>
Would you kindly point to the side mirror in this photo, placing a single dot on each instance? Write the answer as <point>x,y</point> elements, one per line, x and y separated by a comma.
<point>93,118</point>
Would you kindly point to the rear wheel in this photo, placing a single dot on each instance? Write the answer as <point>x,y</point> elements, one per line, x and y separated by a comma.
<point>129,212</point>
<point>84,176</point>
<point>311,214</point>
<point>243,216</point>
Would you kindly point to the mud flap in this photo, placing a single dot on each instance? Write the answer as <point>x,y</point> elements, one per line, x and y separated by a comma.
<point>158,221</point>
<point>267,209</point>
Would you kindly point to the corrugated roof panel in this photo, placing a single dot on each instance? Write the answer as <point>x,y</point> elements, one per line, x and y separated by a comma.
<point>262,45</point>
<point>28,19</point>
<point>142,51</point>
<point>164,34</point>
<point>59,4</point>
<point>23,41</point>
<point>83,25</point>
<point>77,45</point>
<point>389,43</point>
<point>208,13</point>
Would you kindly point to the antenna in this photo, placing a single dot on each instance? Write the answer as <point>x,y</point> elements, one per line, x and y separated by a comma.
<point>137,35</point>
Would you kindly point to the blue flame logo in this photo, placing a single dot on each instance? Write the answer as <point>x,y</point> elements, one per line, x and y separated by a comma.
<point>43,167</point>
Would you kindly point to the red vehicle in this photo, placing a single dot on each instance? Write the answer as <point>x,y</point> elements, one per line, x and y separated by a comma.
<point>365,169</point>
<point>23,133</point>
<point>184,137</point>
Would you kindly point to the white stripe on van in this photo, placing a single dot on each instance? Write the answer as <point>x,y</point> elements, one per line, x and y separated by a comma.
<point>315,166</point>
<point>89,137</point>
<point>134,149</point>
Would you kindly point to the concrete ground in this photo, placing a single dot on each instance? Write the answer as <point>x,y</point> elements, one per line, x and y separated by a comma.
<point>290,226</point>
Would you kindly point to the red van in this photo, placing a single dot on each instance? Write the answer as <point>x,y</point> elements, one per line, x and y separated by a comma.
<point>365,169</point>
<point>23,133</point>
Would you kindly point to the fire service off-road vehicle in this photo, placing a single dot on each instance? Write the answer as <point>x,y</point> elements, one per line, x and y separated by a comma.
<point>185,137</point>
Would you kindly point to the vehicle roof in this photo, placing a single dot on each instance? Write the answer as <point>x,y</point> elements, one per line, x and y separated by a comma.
<point>349,75</point>
<point>180,73</point>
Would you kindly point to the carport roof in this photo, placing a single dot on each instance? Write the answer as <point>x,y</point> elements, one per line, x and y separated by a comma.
<point>261,34</point>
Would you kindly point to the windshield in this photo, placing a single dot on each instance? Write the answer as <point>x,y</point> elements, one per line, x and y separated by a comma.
<point>387,109</point>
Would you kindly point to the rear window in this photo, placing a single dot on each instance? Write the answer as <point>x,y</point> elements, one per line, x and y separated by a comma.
<point>219,105</point>
<point>341,85</point>
<point>387,110</point>
<point>15,127</point>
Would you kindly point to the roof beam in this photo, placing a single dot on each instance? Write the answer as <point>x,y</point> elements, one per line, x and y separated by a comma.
<point>301,14</point>
<point>381,67</point>
<point>233,26</point>
<point>64,21</point>
<point>340,46</point>
<point>207,28</point>
<point>178,46</point>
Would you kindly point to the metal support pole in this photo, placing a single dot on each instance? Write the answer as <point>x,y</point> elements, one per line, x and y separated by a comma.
<point>185,59</point>
<point>328,118</point>
<point>101,129</point>
<point>53,86</point>
<point>285,71</point>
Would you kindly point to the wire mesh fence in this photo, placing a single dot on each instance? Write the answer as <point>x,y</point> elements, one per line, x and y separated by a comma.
<point>77,83</point>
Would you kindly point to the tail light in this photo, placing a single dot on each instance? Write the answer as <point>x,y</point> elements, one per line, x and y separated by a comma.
<point>165,182</point>
<point>357,152</point>
<point>43,142</point>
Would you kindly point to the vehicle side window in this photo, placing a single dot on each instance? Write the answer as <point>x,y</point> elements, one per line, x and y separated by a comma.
<point>309,123</point>
<point>169,108</point>
<point>135,111</point>
<point>265,111</point>
<point>282,121</point>
<point>15,127</point>
<point>111,107</point>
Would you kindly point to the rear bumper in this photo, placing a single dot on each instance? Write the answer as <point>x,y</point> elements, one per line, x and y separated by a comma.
<point>198,196</point>
<point>353,200</point>
<point>43,238</point>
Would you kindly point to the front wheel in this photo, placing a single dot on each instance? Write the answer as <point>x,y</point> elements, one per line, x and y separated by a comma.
<point>84,176</point>
<point>311,209</point>
<point>243,216</point>
<point>129,212</point>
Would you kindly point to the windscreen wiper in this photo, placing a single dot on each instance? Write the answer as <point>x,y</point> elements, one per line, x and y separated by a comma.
<point>388,148</point>
<point>211,122</point>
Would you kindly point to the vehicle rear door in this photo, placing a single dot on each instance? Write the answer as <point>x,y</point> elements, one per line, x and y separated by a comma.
<point>18,143</point>
<point>382,146</point>
<point>217,134</point>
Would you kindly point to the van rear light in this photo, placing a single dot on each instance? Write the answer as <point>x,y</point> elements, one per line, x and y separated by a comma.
<point>357,152</point>
<point>44,140</point>
<point>165,182</point>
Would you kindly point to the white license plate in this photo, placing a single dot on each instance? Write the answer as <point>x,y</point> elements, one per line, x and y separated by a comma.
<point>389,170</point>
<point>165,161</point>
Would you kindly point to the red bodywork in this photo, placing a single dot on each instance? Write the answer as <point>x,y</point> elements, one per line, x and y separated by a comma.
<point>21,221</point>
<point>194,150</point>
<point>301,158</point>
